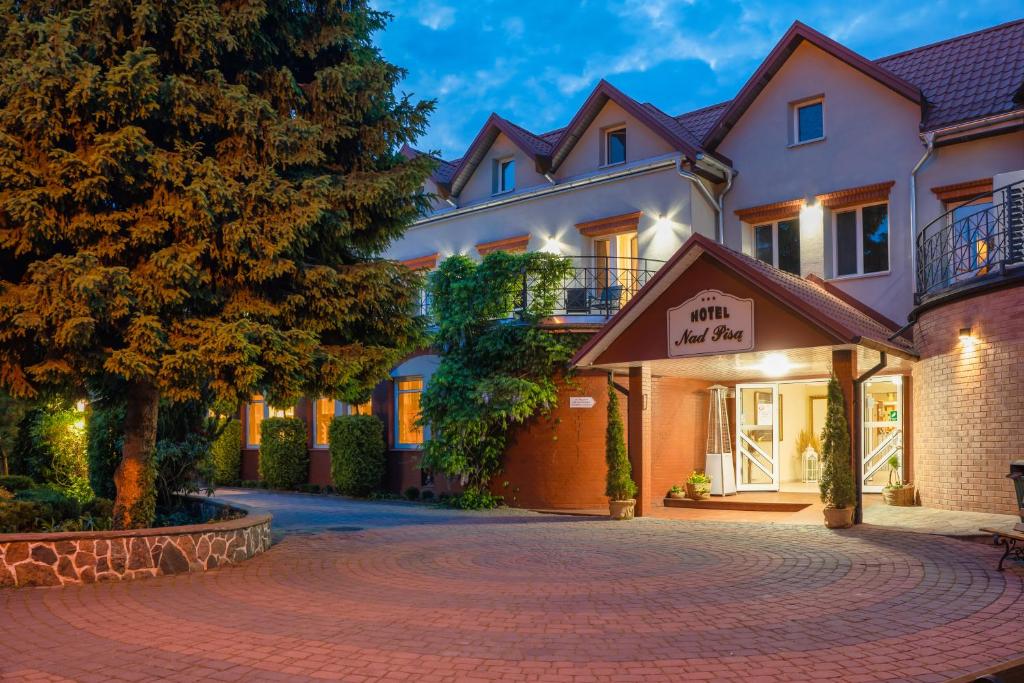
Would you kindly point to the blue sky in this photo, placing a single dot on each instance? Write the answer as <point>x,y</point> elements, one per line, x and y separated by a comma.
<point>535,61</point>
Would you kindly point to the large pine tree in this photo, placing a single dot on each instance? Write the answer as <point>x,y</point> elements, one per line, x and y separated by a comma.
<point>193,198</point>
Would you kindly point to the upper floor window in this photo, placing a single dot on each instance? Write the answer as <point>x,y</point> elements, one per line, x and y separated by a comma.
<point>615,146</point>
<point>808,121</point>
<point>408,390</point>
<point>778,244</point>
<point>503,178</point>
<point>860,240</point>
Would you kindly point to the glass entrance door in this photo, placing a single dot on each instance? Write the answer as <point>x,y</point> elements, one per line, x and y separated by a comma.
<point>883,432</point>
<point>757,438</point>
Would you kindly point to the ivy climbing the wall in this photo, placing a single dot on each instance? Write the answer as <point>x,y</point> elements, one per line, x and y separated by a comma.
<point>498,366</point>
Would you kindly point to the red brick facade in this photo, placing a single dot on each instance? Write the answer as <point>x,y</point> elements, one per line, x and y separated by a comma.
<point>969,402</point>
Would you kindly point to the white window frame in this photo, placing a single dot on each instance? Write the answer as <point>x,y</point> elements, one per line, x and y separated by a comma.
<point>397,445</point>
<point>775,239</point>
<point>859,214</point>
<point>795,120</point>
<point>607,145</point>
<point>498,169</point>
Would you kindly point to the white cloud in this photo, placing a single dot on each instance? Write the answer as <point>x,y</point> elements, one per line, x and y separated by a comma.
<point>435,16</point>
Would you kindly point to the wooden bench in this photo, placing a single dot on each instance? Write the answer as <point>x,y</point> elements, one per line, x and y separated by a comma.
<point>1009,539</point>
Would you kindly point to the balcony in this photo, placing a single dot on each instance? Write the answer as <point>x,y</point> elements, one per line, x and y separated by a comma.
<point>595,288</point>
<point>976,242</point>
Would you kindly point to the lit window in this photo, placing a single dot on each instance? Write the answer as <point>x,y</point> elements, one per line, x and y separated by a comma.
<point>361,408</point>
<point>861,240</point>
<point>323,413</point>
<point>778,244</point>
<point>615,146</point>
<point>280,412</point>
<point>407,411</point>
<point>974,228</point>
<point>254,417</point>
<point>809,121</point>
<point>504,176</point>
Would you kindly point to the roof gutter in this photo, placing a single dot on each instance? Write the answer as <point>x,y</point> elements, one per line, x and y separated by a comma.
<point>729,175</point>
<point>929,147</point>
<point>716,204</point>
<point>620,173</point>
<point>967,126</point>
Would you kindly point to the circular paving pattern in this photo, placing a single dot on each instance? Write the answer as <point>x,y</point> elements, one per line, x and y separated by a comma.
<point>531,597</point>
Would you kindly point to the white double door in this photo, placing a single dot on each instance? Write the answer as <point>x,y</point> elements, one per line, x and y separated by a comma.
<point>757,437</point>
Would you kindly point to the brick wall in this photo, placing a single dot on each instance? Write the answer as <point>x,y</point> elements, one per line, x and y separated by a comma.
<point>557,461</point>
<point>969,402</point>
<point>679,423</point>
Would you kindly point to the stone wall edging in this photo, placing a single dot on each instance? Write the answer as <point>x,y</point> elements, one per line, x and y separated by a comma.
<point>78,557</point>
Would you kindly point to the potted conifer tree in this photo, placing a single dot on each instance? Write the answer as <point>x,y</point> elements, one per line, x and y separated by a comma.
<point>836,477</point>
<point>620,488</point>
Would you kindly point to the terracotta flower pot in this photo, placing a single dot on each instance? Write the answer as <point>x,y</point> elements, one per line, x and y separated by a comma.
<point>696,491</point>
<point>839,518</point>
<point>622,509</point>
<point>903,497</point>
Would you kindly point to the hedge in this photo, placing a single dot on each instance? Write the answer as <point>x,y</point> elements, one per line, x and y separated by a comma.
<point>284,460</point>
<point>226,453</point>
<point>16,482</point>
<point>357,454</point>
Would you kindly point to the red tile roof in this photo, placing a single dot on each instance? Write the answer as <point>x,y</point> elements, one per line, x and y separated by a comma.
<point>968,77</point>
<point>819,302</point>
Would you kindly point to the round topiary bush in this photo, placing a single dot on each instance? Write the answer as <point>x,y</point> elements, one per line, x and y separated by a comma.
<point>284,460</point>
<point>357,454</point>
<point>226,453</point>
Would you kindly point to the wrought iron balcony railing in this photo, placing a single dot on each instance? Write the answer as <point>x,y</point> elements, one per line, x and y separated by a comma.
<point>596,286</point>
<point>975,239</point>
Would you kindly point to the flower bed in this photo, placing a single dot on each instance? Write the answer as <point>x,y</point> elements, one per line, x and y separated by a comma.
<point>75,557</point>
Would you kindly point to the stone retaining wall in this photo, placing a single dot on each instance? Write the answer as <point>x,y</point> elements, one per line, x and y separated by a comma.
<point>86,557</point>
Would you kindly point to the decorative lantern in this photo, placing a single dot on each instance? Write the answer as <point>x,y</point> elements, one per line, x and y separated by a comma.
<point>718,463</point>
<point>811,465</point>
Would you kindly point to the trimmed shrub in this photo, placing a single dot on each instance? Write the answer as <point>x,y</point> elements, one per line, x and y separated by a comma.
<point>103,450</point>
<point>284,460</point>
<point>18,516</point>
<point>836,477</point>
<point>57,504</point>
<point>226,454</point>
<point>473,499</point>
<point>357,454</point>
<point>620,485</point>
<point>16,482</point>
<point>426,496</point>
<point>412,493</point>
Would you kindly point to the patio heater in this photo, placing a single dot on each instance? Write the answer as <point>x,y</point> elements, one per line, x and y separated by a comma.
<point>718,462</point>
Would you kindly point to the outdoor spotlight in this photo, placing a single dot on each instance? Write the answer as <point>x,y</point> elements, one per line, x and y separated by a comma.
<point>966,335</point>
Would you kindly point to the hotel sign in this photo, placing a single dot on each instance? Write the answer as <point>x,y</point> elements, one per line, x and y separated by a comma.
<point>711,322</point>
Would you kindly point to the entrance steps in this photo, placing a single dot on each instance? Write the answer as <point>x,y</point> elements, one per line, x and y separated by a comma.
<point>748,501</point>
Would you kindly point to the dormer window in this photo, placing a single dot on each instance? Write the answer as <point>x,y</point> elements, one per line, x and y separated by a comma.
<point>615,146</point>
<point>808,121</point>
<point>503,175</point>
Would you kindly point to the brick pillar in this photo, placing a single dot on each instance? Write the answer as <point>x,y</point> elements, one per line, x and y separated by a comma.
<point>640,436</point>
<point>844,367</point>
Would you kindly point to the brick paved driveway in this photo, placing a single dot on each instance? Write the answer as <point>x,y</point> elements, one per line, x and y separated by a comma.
<point>362,592</point>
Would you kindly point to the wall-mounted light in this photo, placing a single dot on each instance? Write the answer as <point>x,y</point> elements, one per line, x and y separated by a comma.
<point>966,335</point>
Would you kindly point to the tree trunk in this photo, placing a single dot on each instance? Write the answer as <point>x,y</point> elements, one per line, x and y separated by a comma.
<point>135,505</point>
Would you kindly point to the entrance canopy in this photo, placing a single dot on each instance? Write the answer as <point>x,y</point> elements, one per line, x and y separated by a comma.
<point>716,314</point>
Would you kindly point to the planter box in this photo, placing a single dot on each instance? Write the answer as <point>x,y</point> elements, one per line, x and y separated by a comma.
<point>903,497</point>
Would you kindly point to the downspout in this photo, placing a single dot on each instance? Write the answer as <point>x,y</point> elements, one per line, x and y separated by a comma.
<point>858,512</point>
<point>549,178</point>
<point>929,146</point>
<point>729,175</point>
<point>703,189</point>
